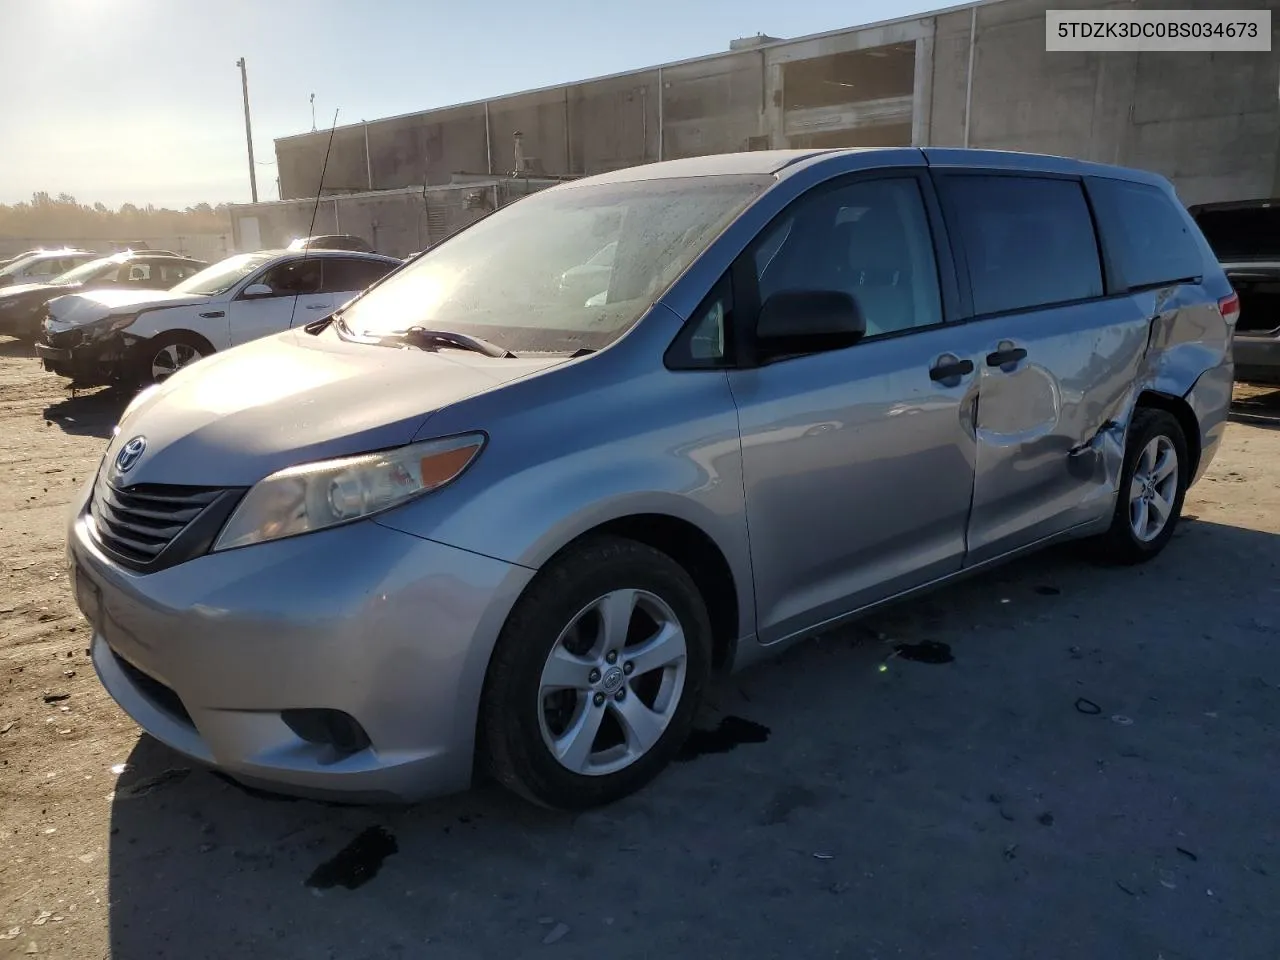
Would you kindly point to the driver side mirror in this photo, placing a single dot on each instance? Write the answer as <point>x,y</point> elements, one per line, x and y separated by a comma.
<point>793,322</point>
<point>255,290</point>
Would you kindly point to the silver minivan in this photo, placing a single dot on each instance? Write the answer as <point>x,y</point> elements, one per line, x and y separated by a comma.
<point>479,521</point>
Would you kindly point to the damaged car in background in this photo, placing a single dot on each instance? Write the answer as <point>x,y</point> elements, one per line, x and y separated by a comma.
<point>138,337</point>
<point>22,307</point>
<point>1245,236</point>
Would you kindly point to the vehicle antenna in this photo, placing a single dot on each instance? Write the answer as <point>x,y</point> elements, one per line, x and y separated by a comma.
<point>315,208</point>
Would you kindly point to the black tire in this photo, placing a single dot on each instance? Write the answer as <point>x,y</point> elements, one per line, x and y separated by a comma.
<point>147,351</point>
<point>1120,544</point>
<point>510,740</point>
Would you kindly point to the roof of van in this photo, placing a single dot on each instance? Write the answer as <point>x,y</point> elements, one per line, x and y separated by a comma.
<point>783,162</point>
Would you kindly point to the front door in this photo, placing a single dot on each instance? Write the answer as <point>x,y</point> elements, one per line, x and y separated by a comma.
<point>294,285</point>
<point>1057,358</point>
<point>857,463</point>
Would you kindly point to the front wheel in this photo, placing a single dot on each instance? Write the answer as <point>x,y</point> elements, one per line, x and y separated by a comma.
<point>161,357</point>
<point>1153,483</point>
<point>596,677</point>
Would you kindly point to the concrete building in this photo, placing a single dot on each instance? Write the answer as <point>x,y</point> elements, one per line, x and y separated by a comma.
<point>976,75</point>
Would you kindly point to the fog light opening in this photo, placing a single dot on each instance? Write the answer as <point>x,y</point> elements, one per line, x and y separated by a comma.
<point>328,728</point>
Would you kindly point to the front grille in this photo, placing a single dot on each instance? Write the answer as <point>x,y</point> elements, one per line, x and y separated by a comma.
<point>136,524</point>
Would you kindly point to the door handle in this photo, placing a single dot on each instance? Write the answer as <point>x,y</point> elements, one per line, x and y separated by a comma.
<point>950,369</point>
<point>324,306</point>
<point>1001,357</point>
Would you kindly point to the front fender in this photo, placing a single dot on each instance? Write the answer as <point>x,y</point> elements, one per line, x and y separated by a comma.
<point>585,444</point>
<point>208,320</point>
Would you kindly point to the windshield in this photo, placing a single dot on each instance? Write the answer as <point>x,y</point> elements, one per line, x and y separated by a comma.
<point>223,275</point>
<point>87,272</point>
<point>502,279</point>
<point>18,264</point>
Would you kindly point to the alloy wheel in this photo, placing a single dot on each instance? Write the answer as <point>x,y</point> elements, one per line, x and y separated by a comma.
<point>171,358</point>
<point>1153,489</point>
<point>612,682</point>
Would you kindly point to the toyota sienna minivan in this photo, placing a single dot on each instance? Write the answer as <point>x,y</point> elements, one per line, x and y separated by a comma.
<point>476,522</point>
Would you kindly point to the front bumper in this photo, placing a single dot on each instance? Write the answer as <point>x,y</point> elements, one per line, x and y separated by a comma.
<point>89,363</point>
<point>393,630</point>
<point>1257,358</point>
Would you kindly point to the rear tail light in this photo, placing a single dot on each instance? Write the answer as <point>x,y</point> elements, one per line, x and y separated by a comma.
<point>1229,307</point>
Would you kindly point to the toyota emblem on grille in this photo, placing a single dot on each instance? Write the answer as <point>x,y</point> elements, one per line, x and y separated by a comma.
<point>130,454</point>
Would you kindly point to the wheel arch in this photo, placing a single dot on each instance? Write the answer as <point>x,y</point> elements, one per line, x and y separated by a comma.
<point>1181,411</point>
<point>701,557</point>
<point>182,333</point>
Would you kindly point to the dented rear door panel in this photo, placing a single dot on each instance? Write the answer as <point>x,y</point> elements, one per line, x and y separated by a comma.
<point>1048,457</point>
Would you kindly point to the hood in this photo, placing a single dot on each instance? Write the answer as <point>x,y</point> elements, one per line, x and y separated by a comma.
<point>80,308</point>
<point>235,417</point>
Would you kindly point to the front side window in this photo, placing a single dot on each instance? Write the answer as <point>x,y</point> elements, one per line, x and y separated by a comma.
<point>870,239</point>
<point>1029,241</point>
<point>562,270</point>
<point>293,278</point>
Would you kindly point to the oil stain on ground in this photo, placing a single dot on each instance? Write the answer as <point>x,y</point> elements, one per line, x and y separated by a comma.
<point>926,651</point>
<point>357,863</point>
<point>728,733</point>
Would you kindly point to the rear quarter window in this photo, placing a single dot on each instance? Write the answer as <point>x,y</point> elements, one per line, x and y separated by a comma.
<point>1147,236</point>
<point>1028,241</point>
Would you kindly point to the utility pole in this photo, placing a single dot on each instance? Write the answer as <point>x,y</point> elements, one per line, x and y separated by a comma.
<point>313,113</point>
<point>248,128</point>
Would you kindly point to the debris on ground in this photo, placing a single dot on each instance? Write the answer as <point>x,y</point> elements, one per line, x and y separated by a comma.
<point>143,787</point>
<point>56,697</point>
<point>557,933</point>
<point>1084,705</point>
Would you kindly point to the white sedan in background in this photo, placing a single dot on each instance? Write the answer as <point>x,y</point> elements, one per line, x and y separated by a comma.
<point>135,337</point>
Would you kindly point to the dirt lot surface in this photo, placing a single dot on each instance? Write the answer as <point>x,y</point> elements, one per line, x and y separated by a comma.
<point>1092,775</point>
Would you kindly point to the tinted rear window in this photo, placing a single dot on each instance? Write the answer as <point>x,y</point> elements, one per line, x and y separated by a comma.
<point>345,276</point>
<point>1146,234</point>
<point>1247,233</point>
<point>1029,241</point>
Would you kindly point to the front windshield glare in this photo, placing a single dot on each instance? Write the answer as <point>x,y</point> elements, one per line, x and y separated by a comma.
<point>558,271</point>
<point>86,272</point>
<point>222,276</point>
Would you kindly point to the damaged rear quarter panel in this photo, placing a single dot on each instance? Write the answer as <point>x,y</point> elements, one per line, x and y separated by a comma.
<point>1188,357</point>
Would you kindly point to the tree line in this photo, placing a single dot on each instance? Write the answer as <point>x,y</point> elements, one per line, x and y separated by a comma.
<point>49,217</point>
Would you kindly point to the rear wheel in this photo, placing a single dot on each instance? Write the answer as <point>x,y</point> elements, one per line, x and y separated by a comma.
<point>163,356</point>
<point>597,676</point>
<point>1153,483</point>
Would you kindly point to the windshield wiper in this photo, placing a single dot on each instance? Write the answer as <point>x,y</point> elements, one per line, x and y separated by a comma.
<point>432,339</point>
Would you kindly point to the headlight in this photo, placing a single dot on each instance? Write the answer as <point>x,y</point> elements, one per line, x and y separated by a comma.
<point>312,496</point>
<point>101,328</point>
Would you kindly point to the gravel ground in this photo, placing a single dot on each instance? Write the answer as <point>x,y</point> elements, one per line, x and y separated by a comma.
<point>1091,774</point>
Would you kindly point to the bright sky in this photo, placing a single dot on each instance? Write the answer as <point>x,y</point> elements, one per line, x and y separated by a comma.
<point>139,100</point>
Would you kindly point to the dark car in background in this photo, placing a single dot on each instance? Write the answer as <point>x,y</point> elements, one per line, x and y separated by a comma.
<point>22,307</point>
<point>336,241</point>
<point>1245,237</point>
